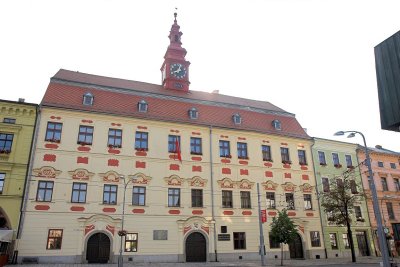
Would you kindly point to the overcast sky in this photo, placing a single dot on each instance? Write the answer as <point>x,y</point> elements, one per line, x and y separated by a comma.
<point>311,58</point>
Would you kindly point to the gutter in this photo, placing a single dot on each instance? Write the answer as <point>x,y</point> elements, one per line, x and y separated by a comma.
<point>212,196</point>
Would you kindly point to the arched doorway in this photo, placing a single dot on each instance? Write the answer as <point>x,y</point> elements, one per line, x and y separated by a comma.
<point>196,248</point>
<point>296,248</point>
<point>98,248</point>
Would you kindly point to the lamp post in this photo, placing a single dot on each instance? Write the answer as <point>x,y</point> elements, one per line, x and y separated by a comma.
<point>122,233</point>
<point>377,212</point>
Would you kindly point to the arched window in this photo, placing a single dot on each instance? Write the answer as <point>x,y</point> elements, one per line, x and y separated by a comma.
<point>237,119</point>
<point>142,106</point>
<point>276,124</point>
<point>193,113</point>
<point>88,99</point>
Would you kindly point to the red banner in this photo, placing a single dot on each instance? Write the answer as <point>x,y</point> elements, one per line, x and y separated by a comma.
<point>263,216</point>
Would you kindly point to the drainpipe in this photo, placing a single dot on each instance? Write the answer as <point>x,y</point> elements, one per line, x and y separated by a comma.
<point>212,196</point>
<point>28,174</point>
<point>316,189</point>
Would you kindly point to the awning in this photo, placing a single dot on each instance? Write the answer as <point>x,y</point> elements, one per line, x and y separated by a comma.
<point>6,235</point>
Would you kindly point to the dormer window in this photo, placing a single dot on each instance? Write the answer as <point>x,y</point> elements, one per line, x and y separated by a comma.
<point>193,113</point>
<point>88,99</point>
<point>276,124</point>
<point>237,119</point>
<point>142,106</point>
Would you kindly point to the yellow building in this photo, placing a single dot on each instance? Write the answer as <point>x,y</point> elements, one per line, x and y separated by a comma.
<point>172,170</point>
<point>17,123</point>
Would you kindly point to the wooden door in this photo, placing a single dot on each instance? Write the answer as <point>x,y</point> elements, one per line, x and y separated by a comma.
<point>196,248</point>
<point>98,248</point>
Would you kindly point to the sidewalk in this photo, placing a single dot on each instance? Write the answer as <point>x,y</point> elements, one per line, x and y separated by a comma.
<point>361,261</point>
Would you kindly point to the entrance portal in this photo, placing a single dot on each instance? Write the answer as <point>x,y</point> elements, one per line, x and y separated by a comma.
<point>362,243</point>
<point>98,248</point>
<point>296,248</point>
<point>196,248</point>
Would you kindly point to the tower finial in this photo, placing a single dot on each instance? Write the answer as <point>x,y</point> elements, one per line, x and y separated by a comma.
<point>175,14</point>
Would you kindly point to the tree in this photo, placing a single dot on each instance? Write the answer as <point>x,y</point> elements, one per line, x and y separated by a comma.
<point>283,230</point>
<point>338,199</point>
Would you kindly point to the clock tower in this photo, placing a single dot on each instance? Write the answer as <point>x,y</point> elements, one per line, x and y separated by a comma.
<point>175,69</point>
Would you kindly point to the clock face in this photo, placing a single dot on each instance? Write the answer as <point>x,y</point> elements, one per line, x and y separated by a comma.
<point>178,70</point>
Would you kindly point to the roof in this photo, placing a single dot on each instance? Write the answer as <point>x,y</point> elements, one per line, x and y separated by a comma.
<point>120,97</point>
<point>380,150</point>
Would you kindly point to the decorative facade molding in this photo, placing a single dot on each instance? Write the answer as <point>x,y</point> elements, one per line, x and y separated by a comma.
<point>226,183</point>
<point>269,185</point>
<point>46,172</point>
<point>197,181</point>
<point>140,179</point>
<point>174,180</point>
<point>110,176</point>
<point>245,184</point>
<point>81,174</point>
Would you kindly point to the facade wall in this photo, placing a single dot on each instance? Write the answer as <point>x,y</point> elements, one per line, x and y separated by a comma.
<point>14,160</point>
<point>67,162</point>
<point>329,171</point>
<point>390,171</point>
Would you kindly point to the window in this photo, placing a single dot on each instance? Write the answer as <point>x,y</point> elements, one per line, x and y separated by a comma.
<point>307,202</point>
<point>329,216</point>
<point>315,239</point>
<point>266,153</point>
<point>357,213</point>
<point>245,199</point>
<point>227,199</point>
<point>142,141</point>
<point>396,184</point>
<point>79,193</point>
<point>9,120</point>
<point>333,240</point>
<point>193,113</point>
<point>302,157</point>
<point>54,239</point>
<point>273,243</point>
<point>325,185</point>
<point>285,155</point>
<point>6,141</point>
<point>384,184</point>
<point>339,183</point>
<point>142,106</point>
<point>174,197</point>
<point>270,200</point>
<point>389,207</point>
<point>172,140</point>
<point>380,164</point>
<point>139,196</point>
<point>195,146</point>
<point>45,191</point>
<point>346,240</point>
<point>237,119</point>
<point>321,157</point>
<point>277,125</point>
<point>2,177</point>
<point>88,99</point>
<point>335,158</point>
<point>353,187</point>
<point>290,201</point>
<point>224,149</point>
<point>131,242</point>
<point>85,136</point>
<point>197,198</point>
<point>393,165</point>
<point>53,132</point>
<point>349,162</point>
<point>242,150</point>
<point>110,194</point>
<point>239,240</point>
<point>114,138</point>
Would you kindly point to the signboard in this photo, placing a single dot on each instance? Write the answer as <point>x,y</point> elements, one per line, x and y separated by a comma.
<point>224,237</point>
<point>263,216</point>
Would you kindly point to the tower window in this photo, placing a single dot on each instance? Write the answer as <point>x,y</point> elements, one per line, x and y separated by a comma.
<point>277,125</point>
<point>142,106</point>
<point>88,99</point>
<point>237,119</point>
<point>193,113</point>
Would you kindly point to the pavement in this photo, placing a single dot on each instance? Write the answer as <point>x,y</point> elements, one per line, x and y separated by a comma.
<point>342,262</point>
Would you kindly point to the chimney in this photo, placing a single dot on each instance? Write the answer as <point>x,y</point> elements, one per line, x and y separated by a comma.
<point>378,146</point>
<point>21,100</point>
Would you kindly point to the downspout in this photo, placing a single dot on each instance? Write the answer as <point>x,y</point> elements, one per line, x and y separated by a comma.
<point>28,173</point>
<point>319,204</point>
<point>212,196</point>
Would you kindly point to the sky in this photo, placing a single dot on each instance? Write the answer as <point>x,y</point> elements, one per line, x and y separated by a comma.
<point>312,58</point>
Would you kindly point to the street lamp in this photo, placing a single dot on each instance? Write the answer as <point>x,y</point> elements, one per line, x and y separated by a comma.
<point>122,233</point>
<point>377,212</point>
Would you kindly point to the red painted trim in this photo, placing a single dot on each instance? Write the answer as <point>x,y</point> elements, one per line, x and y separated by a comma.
<point>109,209</point>
<point>140,165</point>
<point>268,164</point>
<point>42,207</point>
<point>197,158</point>
<point>76,208</point>
<point>51,146</point>
<point>226,171</point>
<point>174,212</point>
<point>271,213</point>
<point>141,153</point>
<point>309,214</point>
<point>244,172</point>
<point>196,169</point>
<point>225,161</point>
<point>291,213</point>
<point>288,175</point>
<point>304,168</point>
<point>87,121</point>
<point>243,162</point>
<point>138,211</point>
<point>228,212</point>
<point>305,177</point>
<point>142,127</point>
<point>84,148</point>
<point>197,212</point>
<point>114,151</point>
<point>286,166</point>
<point>83,160</point>
<point>113,162</point>
<point>268,174</point>
<point>284,144</point>
<point>196,133</point>
<point>49,157</point>
<point>246,213</point>
<point>174,167</point>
